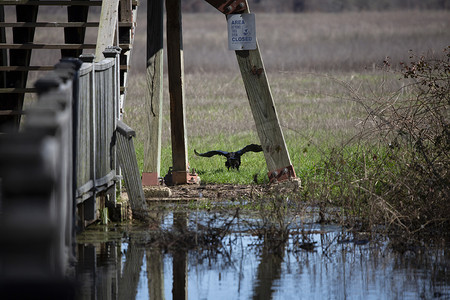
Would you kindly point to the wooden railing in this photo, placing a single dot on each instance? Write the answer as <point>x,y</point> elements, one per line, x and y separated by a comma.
<point>98,111</point>
<point>99,133</point>
<point>36,201</point>
<point>61,164</point>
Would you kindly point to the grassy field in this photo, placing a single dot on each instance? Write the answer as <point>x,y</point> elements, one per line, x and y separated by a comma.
<point>312,62</point>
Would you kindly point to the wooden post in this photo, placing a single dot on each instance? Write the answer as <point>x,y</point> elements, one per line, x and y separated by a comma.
<point>261,103</point>
<point>264,113</point>
<point>107,27</point>
<point>180,174</point>
<point>154,95</point>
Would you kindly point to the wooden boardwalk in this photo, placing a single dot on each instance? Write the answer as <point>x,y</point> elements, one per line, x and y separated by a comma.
<point>21,27</point>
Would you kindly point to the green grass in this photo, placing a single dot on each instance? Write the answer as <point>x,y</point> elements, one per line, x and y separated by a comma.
<point>307,159</point>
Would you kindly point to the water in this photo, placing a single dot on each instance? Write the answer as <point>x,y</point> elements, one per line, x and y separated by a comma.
<point>126,262</point>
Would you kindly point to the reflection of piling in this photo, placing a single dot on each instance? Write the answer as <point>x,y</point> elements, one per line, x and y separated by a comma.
<point>179,287</point>
<point>155,267</point>
<point>98,271</point>
<point>155,273</point>
<point>128,284</point>
<point>86,271</point>
<point>269,270</point>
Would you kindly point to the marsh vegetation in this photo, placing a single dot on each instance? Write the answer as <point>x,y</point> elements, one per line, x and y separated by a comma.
<point>362,98</point>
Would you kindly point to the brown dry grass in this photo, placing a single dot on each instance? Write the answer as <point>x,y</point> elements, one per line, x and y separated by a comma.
<point>310,42</point>
<point>303,55</point>
<point>298,50</point>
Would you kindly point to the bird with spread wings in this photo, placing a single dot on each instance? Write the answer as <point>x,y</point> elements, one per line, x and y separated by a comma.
<point>233,158</point>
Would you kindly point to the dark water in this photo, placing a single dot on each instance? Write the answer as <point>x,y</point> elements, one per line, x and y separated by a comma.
<point>126,262</point>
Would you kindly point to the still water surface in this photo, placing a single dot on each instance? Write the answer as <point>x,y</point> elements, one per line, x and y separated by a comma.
<point>120,262</point>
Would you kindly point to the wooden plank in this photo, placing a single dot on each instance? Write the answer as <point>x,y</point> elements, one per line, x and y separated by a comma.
<point>58,24</point>
<point>58,3</point>
<point>107,27</point>
<point>263,108</point>
<point>26,68</point>
<point>52,3</point>
<point>49,24</point>
<point>30,46</point>
<point>16,91</point>
<point>154,94</point>
<point>11,112</point>
<point>176,86</point>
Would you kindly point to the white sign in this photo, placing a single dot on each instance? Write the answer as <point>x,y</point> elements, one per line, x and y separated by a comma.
<point>241,32</point>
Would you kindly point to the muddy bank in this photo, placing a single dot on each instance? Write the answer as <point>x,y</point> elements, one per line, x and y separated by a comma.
<point>229,192</point>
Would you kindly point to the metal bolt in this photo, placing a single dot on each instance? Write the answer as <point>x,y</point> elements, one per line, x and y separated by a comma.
<point>228,8</point>
<point>241,5</point>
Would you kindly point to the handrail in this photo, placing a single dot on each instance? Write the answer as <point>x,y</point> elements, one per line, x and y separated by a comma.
<point>65,158</point>
<point>107,27</point>
<point>37,191</point>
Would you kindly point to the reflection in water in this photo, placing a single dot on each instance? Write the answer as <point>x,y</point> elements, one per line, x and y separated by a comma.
<point>179,289</point>
<point>98,271</point>
<point>269,270</point>
<point>340,266</point>
<point>155,273</point>
<point>129,280</point>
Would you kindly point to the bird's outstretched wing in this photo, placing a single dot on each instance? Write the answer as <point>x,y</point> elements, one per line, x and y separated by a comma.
<point>251,147</point>
<point>211,153</point>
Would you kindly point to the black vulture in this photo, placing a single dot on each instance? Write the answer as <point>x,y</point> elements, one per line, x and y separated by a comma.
<point>233,158</point>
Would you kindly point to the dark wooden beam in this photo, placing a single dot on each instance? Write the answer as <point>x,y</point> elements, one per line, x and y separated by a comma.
<point>154,95</point>
<point>176,91</point>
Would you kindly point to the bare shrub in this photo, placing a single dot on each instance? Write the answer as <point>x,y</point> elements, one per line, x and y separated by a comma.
<point>419,125</point>
<point>402,179</point>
